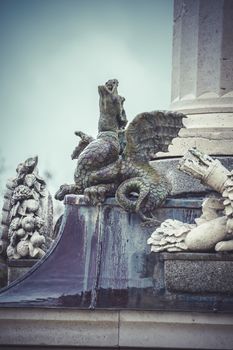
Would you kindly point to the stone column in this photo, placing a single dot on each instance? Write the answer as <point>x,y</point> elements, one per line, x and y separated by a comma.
<point>202,75</point>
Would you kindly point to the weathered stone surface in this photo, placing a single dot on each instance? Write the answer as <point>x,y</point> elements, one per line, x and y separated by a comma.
<point>224,246</point>
<point>18,268</point>
<point>202,75</point>
<point>216,221</point>
<point>5,217</point>
<point>37,329</point>
<point>167,330</point>
<point>208,170</point>
<point>114,329</point>
<point>209,146</point>
<point>29,327</point>
<point>101,260</point>
<point>6,205</point>
<point>8,193</point>
<point>205,236</point>
<point>183,183</point>
<point>198,273</point>
<point>111,262</point>
<point>4,233</point>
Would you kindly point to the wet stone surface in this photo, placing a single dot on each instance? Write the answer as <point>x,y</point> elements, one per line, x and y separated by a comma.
<point>101,260</point>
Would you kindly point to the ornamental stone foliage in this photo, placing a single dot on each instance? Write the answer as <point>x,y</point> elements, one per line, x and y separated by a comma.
<point>27,214</point>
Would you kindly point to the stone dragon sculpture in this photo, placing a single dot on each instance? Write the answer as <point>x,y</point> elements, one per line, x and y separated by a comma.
<point>117,162</point>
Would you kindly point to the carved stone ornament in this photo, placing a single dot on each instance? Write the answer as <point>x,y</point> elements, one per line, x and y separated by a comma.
<point>117,162</point>
<point>27,214</point>
<point>214,229</point>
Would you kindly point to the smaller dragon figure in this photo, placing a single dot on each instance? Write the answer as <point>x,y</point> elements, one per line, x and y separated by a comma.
<point>117,162</point>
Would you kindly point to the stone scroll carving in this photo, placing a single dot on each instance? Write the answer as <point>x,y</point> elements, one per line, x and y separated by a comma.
<point>117,162</point>
<point>214,229</point>
<point>27,217</point>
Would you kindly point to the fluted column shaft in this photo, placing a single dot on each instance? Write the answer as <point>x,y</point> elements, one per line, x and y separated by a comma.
<point>202,75</point>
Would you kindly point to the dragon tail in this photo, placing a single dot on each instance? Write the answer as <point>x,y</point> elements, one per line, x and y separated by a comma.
<point>126,190</point>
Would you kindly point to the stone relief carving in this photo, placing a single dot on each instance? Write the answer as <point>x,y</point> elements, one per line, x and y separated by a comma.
<point>27,214</point>
<point>117,162</point>
<point>214,229</point>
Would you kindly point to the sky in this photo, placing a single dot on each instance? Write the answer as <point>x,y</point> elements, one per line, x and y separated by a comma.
<point>54,54</point>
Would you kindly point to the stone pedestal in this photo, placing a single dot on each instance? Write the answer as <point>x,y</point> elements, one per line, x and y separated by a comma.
<point>101,260</point>
<point>202,75</point>
<point>124,295</point>
<point>18,268</point>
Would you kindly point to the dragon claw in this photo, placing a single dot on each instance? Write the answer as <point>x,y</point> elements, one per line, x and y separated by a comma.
<point>151,222</point>
<point>148,221</point>
<point>95,194</point>
<point>63,190</point>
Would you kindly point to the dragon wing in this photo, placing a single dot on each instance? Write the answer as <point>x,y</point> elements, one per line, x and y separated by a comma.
<point>150,133</point>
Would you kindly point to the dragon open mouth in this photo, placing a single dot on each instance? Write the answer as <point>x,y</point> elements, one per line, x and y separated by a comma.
<point>109,87</point>
<point>112,85</point>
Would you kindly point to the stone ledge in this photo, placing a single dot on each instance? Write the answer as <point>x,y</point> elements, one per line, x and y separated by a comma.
<point>18,267</point>
<point>106,329</point>
<point>21,262</point>
<point>198,273</point>
<point>175,330</point>
<point>197,256</point>
<point>180,146</point>
<point>58,328</point>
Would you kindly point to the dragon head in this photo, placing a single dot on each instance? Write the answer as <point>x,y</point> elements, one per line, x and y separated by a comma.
<point>112,113</point>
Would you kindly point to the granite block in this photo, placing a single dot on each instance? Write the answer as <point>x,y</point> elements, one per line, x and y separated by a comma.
<point>199,273</point>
